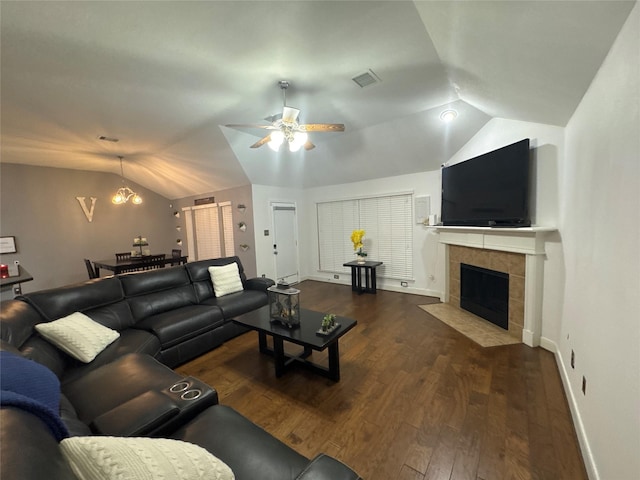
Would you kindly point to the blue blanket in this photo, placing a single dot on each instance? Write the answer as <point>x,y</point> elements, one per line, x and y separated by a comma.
<point>32,387</point>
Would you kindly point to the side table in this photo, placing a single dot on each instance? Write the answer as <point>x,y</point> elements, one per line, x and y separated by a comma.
<point>369,276</point>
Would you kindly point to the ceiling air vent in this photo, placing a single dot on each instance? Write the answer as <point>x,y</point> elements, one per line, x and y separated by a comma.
<point>366,79</point>
<point>104,138</point>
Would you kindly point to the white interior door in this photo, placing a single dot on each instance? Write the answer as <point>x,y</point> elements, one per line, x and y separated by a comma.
<point>285,242</point>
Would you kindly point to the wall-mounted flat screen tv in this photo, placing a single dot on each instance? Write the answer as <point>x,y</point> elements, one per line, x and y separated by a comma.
<point>491,190</point>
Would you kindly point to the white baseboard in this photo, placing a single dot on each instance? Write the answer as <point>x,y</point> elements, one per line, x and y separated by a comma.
<point>380,286</point>
<point>589,462</point>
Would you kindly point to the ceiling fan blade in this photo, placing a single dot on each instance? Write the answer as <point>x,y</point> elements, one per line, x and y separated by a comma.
<point>322,127</point>
<point>308,145</point>
<point>262,141</point>
<point>252,125</point>
<point>290,114</point>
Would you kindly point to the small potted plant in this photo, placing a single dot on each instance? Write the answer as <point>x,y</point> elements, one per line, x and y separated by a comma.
<point>328,324</point>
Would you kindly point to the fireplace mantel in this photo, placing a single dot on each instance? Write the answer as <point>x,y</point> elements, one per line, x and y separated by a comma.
<point>529,241</point>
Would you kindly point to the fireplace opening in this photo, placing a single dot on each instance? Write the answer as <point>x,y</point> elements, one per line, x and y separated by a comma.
<point>485,293</point>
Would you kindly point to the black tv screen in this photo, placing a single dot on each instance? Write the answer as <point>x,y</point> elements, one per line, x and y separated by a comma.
<point>491,190</point>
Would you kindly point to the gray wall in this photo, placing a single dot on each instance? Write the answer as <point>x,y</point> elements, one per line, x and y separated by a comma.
<point>239,195</point>
<point>38,206</point>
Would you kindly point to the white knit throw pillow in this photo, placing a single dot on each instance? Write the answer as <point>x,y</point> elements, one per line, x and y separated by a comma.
<point>78,335</point>
<point>225,279</point>
<point>133,458</point>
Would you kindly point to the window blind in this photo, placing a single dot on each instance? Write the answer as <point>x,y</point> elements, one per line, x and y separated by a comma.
<point>227,229</point>
<point>387,221</point>
<point>207,232</point>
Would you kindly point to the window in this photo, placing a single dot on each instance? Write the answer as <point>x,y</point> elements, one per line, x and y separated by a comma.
<point>210,230</point>
<point>387,221</point>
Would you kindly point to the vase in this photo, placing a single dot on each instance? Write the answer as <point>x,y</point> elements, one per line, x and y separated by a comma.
<point>360,259</point>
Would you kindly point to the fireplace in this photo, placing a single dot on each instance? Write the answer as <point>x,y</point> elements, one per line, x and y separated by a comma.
<point>485,293</point>
<point>517,252</point>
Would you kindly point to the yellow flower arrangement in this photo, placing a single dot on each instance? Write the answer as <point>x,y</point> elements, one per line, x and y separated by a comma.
<point>356,239</point>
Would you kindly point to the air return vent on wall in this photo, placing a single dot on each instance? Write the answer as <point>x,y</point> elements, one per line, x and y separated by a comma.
<point>366,79</point>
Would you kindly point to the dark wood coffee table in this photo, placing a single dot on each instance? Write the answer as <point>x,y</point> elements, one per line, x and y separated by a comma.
<point>304,335</point>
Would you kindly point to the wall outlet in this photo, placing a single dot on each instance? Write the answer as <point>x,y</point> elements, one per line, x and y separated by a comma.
<point>404,284</point>
<point>573,359</point>
<point>266,233</point>
<point>584,385</point>
<point>336,277</point>
<point>264,276</point>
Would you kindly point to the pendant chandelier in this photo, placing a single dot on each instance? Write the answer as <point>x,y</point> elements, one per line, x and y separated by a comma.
<point>124,193</point>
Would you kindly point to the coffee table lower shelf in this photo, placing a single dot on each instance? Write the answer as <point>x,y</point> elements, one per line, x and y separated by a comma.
<point>303,335</point>
<point>284,360</point>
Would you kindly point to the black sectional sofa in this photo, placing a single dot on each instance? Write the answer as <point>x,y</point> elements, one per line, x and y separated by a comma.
<point>164,317</point>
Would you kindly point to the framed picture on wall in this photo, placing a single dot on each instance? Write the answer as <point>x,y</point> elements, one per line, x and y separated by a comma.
<point>8,245</point>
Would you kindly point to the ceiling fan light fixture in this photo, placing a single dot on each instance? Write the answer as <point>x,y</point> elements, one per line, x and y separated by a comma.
<point>289,115</point>
<point>300,137</point>
<point>294,147</point>
<point>276,140</point>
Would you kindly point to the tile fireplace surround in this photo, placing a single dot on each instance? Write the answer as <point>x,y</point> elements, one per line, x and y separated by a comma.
<point>516,251</point>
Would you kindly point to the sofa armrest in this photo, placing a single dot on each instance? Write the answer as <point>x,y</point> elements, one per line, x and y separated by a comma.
<point>324,467</point>
<point>259,283</point>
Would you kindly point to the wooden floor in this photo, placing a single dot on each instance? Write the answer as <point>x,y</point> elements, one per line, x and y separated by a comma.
<point>417,400</point>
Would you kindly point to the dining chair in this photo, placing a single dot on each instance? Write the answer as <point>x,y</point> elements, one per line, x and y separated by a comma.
<point>153,262</point>
<point>123,256</point>
<point>90,269</point>
<point>176,253</point>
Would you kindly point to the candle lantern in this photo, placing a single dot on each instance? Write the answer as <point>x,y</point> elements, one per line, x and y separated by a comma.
<point>284,305</point>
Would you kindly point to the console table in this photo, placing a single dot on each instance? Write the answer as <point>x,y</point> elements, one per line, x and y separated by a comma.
<point>369,276</point>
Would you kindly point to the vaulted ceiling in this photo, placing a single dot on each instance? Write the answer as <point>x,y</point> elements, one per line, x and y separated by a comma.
<point>165,77</point>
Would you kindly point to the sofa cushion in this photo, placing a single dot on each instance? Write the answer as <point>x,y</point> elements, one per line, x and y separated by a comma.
<point>225,279</point>
<point>62,301</point>
<point>117,458</point>
<point>253,453</point>
<point>238,303</point>
<point>29,386</point>
<point>18,320</point>
<point>143,306</point>
<point>201,279</point>
<point>176,326</point>
<point>28,450</point>
<point>131,340</point>
<point>40,350</point>
<point>116,316</point>
<point>115,383</point>
<point>78,335</point>
<point>140,283</point>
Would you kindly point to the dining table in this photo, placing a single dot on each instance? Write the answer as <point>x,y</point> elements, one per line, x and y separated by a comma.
<point>137,263</point>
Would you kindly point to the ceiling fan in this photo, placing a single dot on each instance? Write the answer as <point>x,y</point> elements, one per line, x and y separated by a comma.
<point>285,126</point>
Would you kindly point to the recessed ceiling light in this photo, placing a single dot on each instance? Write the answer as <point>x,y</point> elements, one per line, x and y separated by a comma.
<point>448,115</point>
